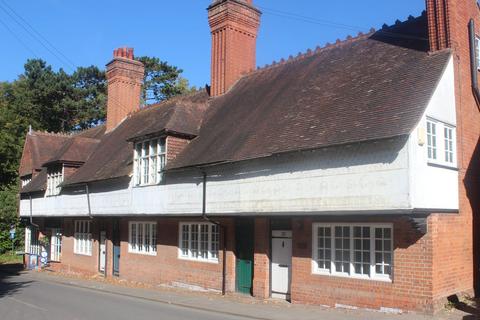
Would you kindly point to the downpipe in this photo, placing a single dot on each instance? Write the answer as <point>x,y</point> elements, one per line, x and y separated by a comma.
<point>222,230</point>
<point>473,61</point>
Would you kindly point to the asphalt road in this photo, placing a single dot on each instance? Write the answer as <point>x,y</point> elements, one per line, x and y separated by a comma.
<point>24,298</point>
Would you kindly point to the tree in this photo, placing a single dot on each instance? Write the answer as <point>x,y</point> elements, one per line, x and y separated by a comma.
<point>161,81</point>
<point>55,101</point>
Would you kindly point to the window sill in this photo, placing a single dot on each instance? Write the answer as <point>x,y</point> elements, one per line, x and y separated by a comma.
<point>442,165</point>
<point>353,277</point>
<point>147,185</point>
<point>149,254</point>
<point>83,254</point>
<point>212,261</point>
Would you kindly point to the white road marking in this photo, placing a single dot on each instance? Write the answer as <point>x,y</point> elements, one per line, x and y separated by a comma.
<point>28,304</point>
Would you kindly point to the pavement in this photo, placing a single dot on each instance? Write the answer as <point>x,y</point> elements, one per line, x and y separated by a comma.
<point>44,295</point>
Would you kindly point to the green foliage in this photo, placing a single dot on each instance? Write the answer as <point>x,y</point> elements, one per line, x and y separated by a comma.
<point>8,218</point>
<point>55,101</point>
<point>161,81</point>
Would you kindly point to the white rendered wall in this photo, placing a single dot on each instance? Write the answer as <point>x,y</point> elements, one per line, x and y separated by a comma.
<point>383,175</point>
<point>368,176</point>
<point>433,186</point>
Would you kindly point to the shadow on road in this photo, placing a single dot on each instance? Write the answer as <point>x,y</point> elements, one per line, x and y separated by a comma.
<point>8,273</point>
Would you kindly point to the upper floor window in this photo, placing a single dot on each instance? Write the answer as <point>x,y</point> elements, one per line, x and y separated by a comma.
<point>353,250</point>
<point>149,161</point>
<point>432,139</point>
<point>26,180</point>
<point>440,142</point>
<point>54,179</point>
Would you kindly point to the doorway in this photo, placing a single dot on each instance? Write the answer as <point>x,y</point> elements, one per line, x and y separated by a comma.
<point>281,263</point>
<point>116,247</point>
<point>244,238</point>
<point>102,259</point>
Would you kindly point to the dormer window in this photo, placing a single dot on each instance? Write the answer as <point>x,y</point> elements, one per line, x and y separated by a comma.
<point>26,180</point>
<point>54,179</point>
<point>149,161</point>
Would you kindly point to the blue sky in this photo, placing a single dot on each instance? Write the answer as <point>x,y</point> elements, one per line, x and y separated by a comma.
<point>87,31</point>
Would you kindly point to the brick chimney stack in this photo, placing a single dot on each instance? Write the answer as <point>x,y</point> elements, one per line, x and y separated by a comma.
<point>439,20</point>
<point>124,79</point>
<point>234,28</point>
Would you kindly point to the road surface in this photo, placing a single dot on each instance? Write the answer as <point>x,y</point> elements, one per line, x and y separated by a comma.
<point>23,298</point>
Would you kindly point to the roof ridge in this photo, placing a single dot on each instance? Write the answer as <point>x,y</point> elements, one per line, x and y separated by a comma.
<point>338,43</point>
<point>52,134</point>
<point>172,99</point>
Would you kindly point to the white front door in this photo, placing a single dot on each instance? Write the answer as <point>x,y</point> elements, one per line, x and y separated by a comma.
<point>103,251</point>
<point>281,263</point>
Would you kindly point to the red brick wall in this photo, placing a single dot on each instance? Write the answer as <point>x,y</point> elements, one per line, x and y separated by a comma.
<point>261,272</point>
<point>410,289</point>
<point>175,145</point>
<point>452,236</point>
<point>167,268</point>
<point>76,263</point>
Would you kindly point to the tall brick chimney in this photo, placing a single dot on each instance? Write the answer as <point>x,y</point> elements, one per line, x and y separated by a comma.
<point>124,78</point>
<point>234,27</point>
<point>439,22</point>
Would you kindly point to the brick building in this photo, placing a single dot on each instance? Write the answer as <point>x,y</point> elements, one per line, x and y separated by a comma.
<point>346,176</point>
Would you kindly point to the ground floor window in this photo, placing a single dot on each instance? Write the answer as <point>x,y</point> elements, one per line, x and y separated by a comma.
<point>56,244</point>
<point>353,250</point>
<point>83,237</point>
<point>142,237</point>
<point>32,245</point>
<point>199,241</point>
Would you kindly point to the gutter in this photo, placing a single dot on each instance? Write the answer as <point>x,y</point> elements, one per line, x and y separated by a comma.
<point>222,228</point>
<point>473,62</point>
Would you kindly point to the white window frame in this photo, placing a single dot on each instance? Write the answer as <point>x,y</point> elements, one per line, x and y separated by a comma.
<point>54,179</point>
<point>83,242</point>
<point>32,245</point>
<point>210,243</point>
<point>149,159</point>
<point>442,146</point>
<point>432,140</point>
<point>56,245</point>
<point>142,237</point>
<point>351,273</point>
<point>26,180</point>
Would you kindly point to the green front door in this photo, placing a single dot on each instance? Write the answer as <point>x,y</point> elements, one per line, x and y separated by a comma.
<point>244,254</point>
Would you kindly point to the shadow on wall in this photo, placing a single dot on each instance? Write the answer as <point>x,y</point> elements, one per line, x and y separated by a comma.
<point>471,182</point>
<point>345,156</point>
<point>8,285</point>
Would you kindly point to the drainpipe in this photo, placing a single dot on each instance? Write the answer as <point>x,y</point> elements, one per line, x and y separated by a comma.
<point>473,61</point>
<point>31,213</point>
<point>88,201</point>
<point>222,228</point>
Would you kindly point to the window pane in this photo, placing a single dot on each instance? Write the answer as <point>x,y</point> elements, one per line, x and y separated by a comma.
<point>383,251</point>
<point>323,248</point>
<point>342,249</point>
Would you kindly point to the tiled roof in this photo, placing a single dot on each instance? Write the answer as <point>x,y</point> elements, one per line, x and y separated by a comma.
<point>114,155</point>
<point>372,87</point>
